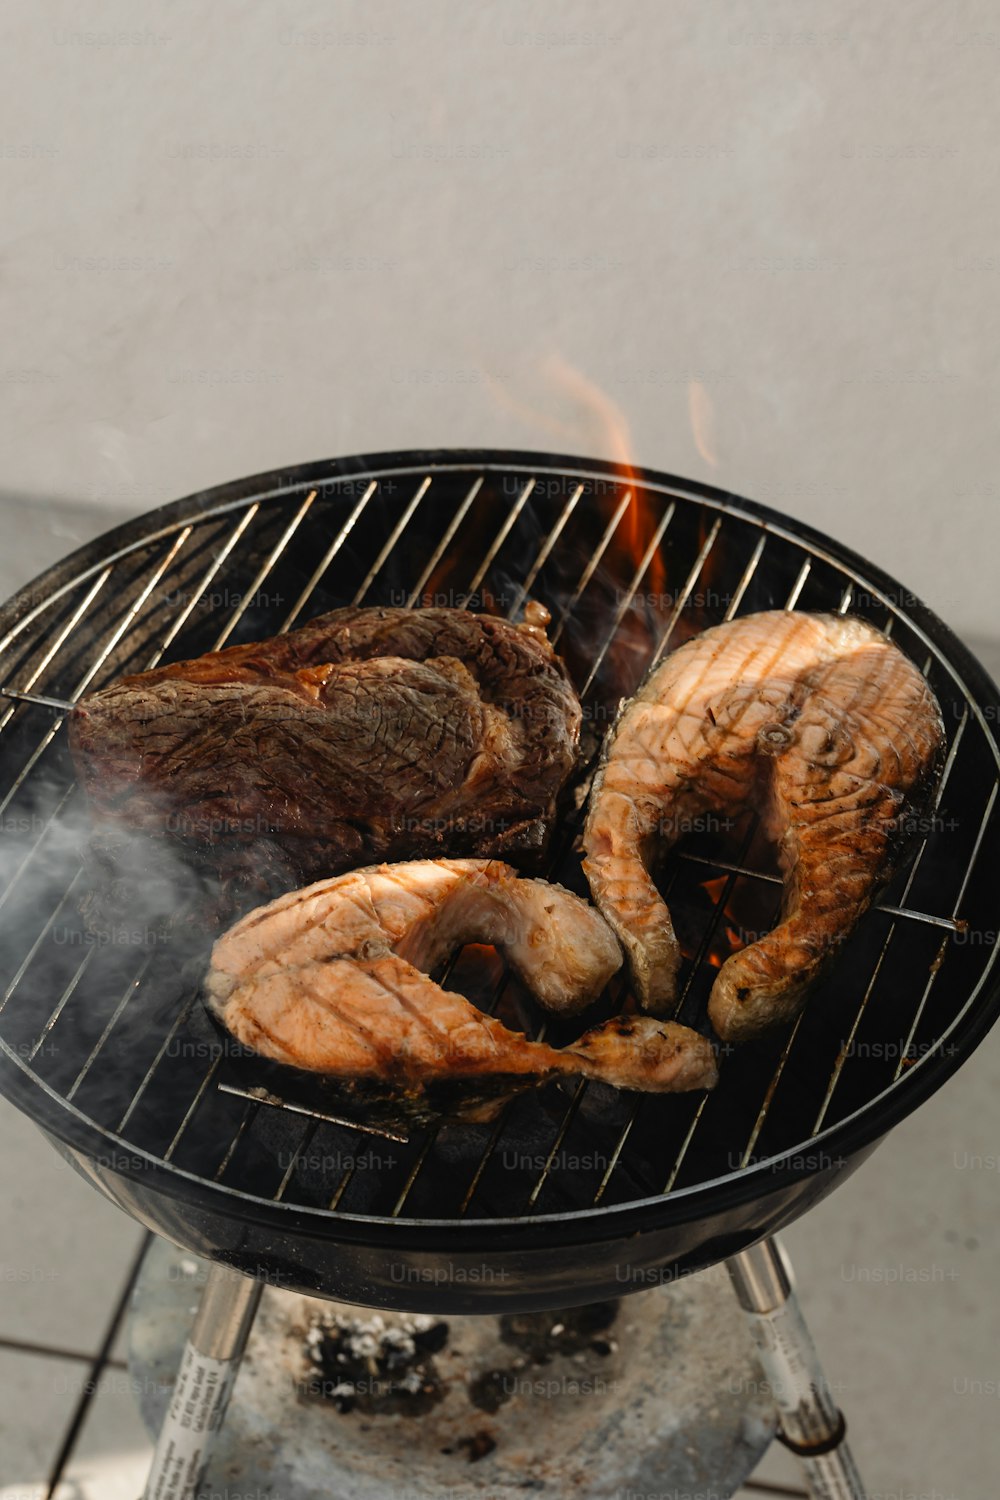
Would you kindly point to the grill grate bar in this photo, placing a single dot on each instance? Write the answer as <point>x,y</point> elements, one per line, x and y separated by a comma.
<point>271,1101</point>
<point>57,646</point>
<point>26,861</point>
<point>845,1051</point>
<point>203,586</point>
<point>178,1022</point>
<point>686,592</point>
<point>896,911</point>
<point>213,1068</point>
<point>484,1157</point>
<point>265,569</point>
<point>32,951</point>
<point>328,557</point>
<point>433,1130</point>
<point>130,989</point>
<point>392,539</point>
<point>525,588</point>
<point>593,564</point>
<point>798,585</point>
<point>495,1134</point>
<point>745,581</point>
<point>87,678</point>
<point>308,1136</point>
<point>82,968</point>
<point>772,1089</point>
<point>637,577</point>
<point>935,968</point>
<point>39,699</point>
<point>422,1156</point>
<point>246,1120</point>
<point>439,550</point>
<point>498,541</point>
<point>685,1143</point>
<point>130,616</point>
<point>617,1150</point>
<point>564,1125</point>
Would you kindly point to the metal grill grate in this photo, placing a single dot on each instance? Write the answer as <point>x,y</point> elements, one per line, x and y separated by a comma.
<point>629,568</point>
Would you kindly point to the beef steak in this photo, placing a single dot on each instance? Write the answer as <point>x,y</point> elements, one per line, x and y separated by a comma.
<point>367,734</point>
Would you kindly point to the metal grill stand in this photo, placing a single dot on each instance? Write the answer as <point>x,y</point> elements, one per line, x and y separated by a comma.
<point>811,1425</point>
<point>208,1370</point>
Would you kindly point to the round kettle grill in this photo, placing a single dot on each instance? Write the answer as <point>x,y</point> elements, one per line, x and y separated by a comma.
<point>106,1046</point>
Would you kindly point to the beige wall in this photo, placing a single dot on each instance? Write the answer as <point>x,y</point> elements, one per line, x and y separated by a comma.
<point>246,234</point>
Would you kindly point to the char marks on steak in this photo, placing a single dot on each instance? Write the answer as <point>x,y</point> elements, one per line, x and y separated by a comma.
<point>367,734</point>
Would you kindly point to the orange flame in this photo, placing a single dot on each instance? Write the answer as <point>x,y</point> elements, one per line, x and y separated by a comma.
<point>605,416</point>
<point>597,424</point>
<point>726,940</point>
<point>701,414</point>
<point>714,888</point>
<point>484,955</point>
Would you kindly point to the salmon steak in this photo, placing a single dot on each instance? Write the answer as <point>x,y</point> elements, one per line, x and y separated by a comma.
<point>822,725</point>
<point>334,980</point>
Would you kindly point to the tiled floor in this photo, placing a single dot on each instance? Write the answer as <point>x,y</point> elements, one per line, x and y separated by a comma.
<point>898,1273</point>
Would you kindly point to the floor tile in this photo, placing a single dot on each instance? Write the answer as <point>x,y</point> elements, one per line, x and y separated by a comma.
<point>111,1458</point>
<point>37,1399</point>
<point>64,1250</point>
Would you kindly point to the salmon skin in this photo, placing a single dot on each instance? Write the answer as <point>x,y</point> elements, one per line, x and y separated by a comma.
<point>332,981</point>
<point>822,724</point>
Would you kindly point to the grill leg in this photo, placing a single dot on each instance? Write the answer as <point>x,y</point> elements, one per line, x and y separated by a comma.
<point>811,1425</point>
<point>209,1367</point>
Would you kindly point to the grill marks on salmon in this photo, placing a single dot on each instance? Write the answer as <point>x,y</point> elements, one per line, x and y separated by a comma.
<point>333,980</point>
<point>822,724</point>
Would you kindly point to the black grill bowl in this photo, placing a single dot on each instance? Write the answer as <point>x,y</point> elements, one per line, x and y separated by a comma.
<point>575,1193</point>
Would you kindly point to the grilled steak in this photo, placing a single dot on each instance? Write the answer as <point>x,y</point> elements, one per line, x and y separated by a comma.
<point>332,980</point>
<point>368,733</point>
<point>822,723</point>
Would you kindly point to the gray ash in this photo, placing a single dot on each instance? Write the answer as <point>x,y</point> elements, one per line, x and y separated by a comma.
<point>367,1365</point>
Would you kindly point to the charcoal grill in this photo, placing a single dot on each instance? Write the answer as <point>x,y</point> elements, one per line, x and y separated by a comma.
<point>105,1044</point>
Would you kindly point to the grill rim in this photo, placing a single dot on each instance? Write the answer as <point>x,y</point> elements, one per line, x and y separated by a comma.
<point>857,1133</point>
